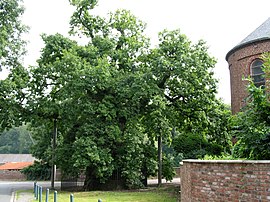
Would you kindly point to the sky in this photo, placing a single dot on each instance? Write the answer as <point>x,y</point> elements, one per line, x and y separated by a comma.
<point>222,24</point>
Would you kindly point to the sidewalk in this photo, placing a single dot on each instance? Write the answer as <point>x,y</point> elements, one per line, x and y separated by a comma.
<point>24,197</point>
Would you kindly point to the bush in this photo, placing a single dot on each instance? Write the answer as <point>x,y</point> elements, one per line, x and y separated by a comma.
<point>194,146</point>
<point>37,171</point>
<point>221,157</point>
<point>167,167</point>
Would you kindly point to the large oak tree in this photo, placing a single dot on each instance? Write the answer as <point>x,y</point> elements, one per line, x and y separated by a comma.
<point>114,97</point>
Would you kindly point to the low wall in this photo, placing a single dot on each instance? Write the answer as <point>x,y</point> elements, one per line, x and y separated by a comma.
<point>12,175</point>
<point>225,180</point>
<point>16,175</point>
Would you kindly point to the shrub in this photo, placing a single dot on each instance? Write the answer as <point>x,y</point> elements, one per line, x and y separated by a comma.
<point>195,146</point>
<point>37,171</point>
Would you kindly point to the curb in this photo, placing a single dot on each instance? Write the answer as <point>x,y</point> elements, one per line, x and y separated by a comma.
<point>12,199</point>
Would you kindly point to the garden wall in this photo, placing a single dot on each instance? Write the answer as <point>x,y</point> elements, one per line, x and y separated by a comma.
<point>225,180</point>
<point>12,175</point>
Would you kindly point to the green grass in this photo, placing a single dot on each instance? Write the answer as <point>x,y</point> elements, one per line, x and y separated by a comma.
<point>163,194</point>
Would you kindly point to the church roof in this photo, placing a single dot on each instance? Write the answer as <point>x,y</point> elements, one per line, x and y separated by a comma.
<point>260,34</point>
<point>5,158</point>
<point>15,165</point>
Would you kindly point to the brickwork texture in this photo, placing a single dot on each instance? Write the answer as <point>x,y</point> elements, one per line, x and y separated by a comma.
<point>234,180</point>
<point>12,175</point>
<point>239,65</point>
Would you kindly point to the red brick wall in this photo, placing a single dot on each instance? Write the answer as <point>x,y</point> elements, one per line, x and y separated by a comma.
<point>239,64</point>
<point>207,181</point>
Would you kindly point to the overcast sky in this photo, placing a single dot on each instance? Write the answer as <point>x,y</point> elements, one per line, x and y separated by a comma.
<point>222,24</point>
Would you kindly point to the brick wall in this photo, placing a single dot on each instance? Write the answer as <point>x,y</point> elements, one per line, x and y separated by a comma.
<point>239,64</point>
<point>16,175</point>
<point>12,175</point>
<point>232,180</point>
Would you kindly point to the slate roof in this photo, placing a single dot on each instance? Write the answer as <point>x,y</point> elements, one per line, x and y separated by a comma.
<point>5,158</point>
<point>15,165</point>
<point>260,34</point>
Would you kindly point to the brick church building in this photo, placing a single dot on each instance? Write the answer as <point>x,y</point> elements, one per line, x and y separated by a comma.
<point>244,60</point>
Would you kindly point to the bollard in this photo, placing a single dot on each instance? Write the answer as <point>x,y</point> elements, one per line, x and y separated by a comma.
<point>35,190</point>
<point>47,195</point>
<point>40,194</point>
<point>55,196</point>
<point>35,184</point>
<point>99,200</point>
<point>71,198</point>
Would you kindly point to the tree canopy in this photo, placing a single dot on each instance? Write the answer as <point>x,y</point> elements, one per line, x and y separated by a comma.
<point>11,52</point>
<point>11,30</point>
<point>113,97</point>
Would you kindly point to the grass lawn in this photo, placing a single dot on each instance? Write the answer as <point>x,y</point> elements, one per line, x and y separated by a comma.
<point>152,194</point>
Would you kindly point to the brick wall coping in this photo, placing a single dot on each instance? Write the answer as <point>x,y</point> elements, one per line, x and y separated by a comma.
<point>226,161</point>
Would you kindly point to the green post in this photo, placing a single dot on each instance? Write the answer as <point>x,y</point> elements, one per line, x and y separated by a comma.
<point>35,190</point>
<point>40,194</point>
<point>71,198</point>
<point>55,196</point>
<point>47,195</point>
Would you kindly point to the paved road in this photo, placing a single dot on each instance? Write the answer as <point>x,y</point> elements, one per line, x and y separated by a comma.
<point>7,187</point>
<point>155,181</point>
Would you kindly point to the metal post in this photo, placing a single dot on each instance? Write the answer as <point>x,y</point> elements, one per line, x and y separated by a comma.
<point>71,198</point>
<point>159,160</point>
<point>40,194</point>
<point>99,200</point>
<point>53,152</point>
<point>47,195</point>
<point>35,184</point>
<point>35,190</point>
<point>55,196</point>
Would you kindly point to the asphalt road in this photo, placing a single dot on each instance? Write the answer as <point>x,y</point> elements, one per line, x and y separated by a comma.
<point>155,181</point>
<point>7,188</point>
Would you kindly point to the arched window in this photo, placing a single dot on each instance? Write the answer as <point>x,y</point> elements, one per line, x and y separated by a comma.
<point>257,73</point>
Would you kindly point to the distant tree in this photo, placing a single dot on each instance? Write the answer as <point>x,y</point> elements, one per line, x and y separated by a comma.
<point>15,141</point>
<point>251,126</point>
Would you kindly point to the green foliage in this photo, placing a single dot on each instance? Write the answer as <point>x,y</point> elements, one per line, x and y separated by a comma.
<point>194,146</point>
<point>16,141</point>
<point>174,156</point>
<point>11,30</point>
<point>223,156</point>
<point>168,171</point>
<point>37,171</point>
<point>113,97</point>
